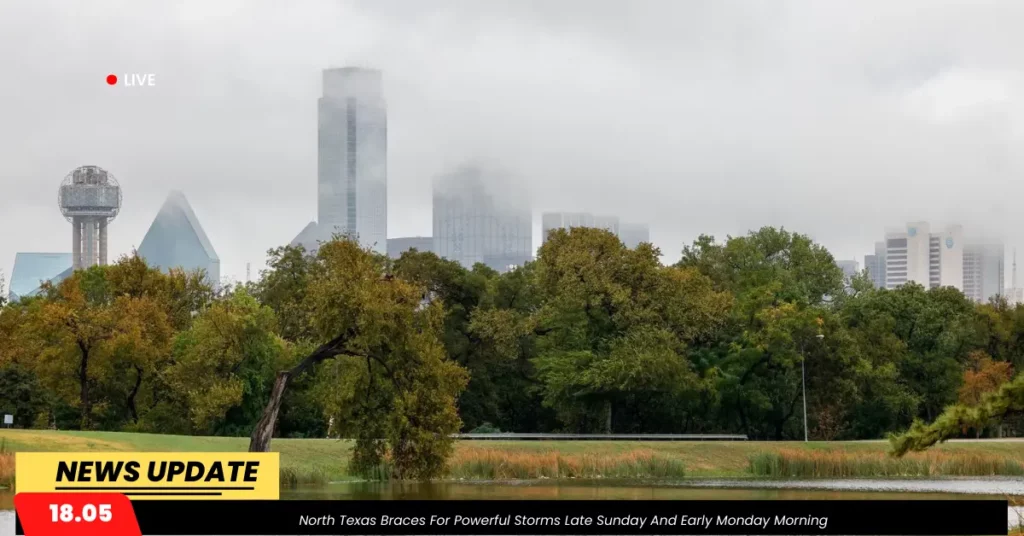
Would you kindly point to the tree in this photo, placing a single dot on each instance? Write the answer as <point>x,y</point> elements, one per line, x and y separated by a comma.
<point>782,283</point>
<point>388,334</point>
<point>224,364</point>
<point>72,331</point>
<point>983,375</point>
<point>773,264</point>
<point>283,288</point>
<point>461,292</point>
<point>615,322</point>
<point>957,419</point>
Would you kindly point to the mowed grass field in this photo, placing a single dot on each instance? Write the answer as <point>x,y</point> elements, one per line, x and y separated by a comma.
<point>328,458</point>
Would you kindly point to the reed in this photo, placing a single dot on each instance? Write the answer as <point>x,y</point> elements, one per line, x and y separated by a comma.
<point>291,478</point>
<point>493,464</point>
<point>845,464</point>
<point>6,466</point>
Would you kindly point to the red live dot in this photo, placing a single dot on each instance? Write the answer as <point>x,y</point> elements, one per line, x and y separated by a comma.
<point>111,79</point>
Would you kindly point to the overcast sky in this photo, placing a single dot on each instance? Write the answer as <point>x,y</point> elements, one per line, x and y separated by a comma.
<point>833,118</point>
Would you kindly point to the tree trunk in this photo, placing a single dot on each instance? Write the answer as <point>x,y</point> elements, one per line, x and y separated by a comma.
<point>134,392</point>
<point>608,416</point>
<point>259,441</point>
<point>83,384</point>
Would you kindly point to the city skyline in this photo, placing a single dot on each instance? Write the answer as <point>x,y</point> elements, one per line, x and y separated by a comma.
<point>740,126</point>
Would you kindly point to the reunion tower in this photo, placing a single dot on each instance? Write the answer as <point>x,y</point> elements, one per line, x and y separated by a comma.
<point>89,198</point>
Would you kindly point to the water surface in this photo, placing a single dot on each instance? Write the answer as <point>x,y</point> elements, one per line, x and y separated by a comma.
<point>738,489</point>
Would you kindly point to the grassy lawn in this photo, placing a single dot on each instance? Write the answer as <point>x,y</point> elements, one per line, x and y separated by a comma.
<point>330,457</point>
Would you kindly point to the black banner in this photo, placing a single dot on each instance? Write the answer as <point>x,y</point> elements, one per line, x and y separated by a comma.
<point>400,517</point>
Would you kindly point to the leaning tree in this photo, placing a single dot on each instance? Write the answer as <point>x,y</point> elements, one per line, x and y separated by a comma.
<point>402,383</point>
<point>956,420</point>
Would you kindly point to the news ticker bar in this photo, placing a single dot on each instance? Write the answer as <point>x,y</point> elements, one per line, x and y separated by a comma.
<point>527,517</point>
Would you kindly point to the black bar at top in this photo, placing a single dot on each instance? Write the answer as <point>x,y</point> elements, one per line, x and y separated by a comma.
<point>257,518</point>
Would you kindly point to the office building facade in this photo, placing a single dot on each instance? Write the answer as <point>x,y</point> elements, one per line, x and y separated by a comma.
<point>849,268</point>
<point>472,223</point>
<point>567,220</point>
<point>875,265</point>
<point>352,158</point>
<point>983,271</point>
<point>918,255</point>
<point>398,246</point>
<point>633,234</point>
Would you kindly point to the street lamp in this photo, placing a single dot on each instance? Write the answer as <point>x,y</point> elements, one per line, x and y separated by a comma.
<point>803,380</point>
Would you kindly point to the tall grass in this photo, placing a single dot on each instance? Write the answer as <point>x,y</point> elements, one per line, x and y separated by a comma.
<point>492,464</point>
<point>291,478</point>
<point>841,464</point>
<point>6,466</point>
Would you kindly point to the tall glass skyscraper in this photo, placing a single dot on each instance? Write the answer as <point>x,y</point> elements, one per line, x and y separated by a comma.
<point>479,219</point>
<point>352,168</point>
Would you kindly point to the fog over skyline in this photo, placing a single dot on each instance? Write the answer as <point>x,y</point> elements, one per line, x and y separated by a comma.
<point>835,119</point>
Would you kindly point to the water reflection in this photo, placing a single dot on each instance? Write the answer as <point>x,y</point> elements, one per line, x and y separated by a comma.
<point>945,489</point>
<point>687,490</point>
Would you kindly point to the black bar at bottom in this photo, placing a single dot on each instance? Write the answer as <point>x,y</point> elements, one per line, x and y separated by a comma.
<point>599,517</point>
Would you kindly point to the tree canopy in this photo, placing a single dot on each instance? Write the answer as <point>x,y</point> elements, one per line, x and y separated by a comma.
<point>399,354</point>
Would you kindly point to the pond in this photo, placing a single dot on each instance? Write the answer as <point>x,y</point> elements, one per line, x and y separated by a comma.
<point>733,489</point>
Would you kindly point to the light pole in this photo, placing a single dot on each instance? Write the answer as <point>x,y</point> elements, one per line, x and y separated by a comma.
<point>803,380</point>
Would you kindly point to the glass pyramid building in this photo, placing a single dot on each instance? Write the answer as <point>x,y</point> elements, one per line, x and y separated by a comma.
<point>177,240</point>
<point>32,269</point>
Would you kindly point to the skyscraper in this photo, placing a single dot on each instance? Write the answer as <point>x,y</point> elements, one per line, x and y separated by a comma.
<point>632,234</point>
<point>929,259</point>
<point>567,220</point>
<point>175,239</point>
<point>398,246</point>
<point>983,271</point>
<point>849,268</point>
<point>477,222</point>
<point>352,163</point>
<point>875,265</point>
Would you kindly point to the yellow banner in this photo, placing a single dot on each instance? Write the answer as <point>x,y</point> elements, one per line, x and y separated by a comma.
<point>152,475</point>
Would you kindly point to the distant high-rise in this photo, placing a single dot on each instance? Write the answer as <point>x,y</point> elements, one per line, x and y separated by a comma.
<point>33,269</point>
<point>352,162</point>
<point>983,271</point>
<point>929,259</point>
<point>176,240</point>
<point>89,198</point>
<point>849,268</point>
<point>398,246</point>
<point>875,265</point>
<point>567,220</point>
<point>632,234</point>
<point>475,223</point>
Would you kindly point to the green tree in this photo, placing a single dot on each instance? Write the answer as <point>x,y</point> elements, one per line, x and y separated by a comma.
<point>957,419</point>
<point>783,283</point>
<point>614,322</point>
<point>388,337</point>
<point>225,363</point>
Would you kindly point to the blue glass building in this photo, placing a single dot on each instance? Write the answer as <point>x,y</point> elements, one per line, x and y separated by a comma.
<point>177,240</point>
<point>32,269</point>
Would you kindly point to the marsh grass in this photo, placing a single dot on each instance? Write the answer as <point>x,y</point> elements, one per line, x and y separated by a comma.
<point>292,477</point>
<point>844,464</point>
<point>6,466</point>
<point>494,464</point>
